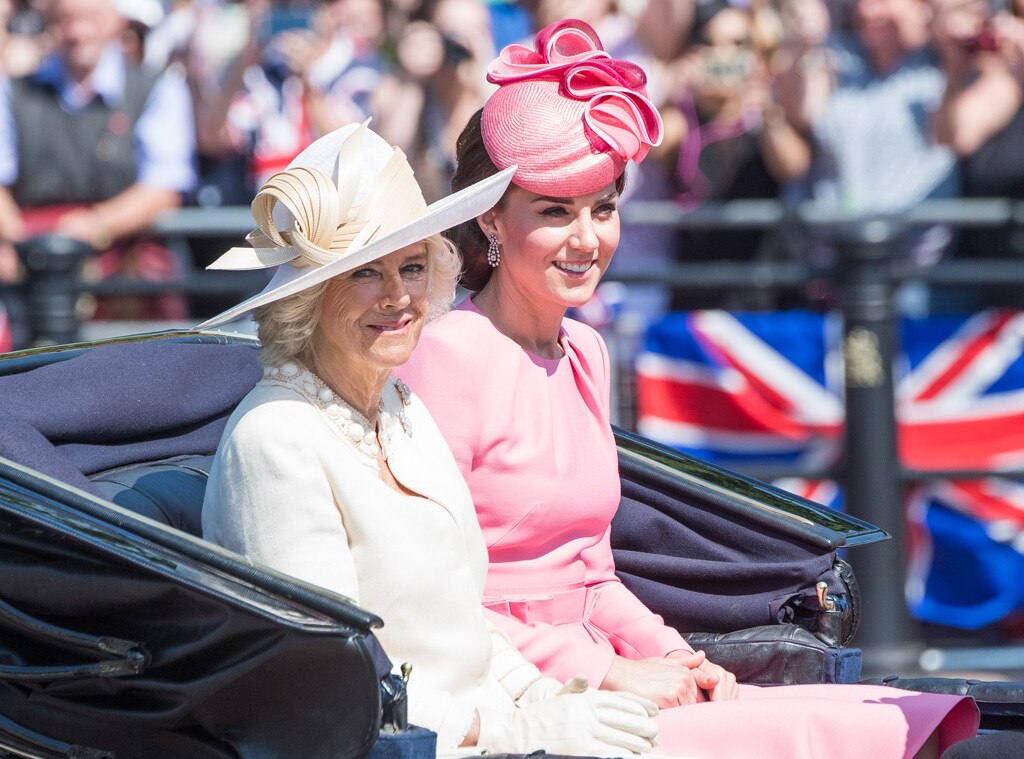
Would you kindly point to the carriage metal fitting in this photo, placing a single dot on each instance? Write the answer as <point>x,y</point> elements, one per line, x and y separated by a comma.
<point>825,601</point>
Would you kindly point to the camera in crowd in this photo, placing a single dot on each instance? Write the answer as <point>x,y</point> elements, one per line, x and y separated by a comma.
<point>985,39</point>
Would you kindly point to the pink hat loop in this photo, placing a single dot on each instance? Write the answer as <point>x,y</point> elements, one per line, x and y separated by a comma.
<point>559,46</point>
<point>612,122</point>
<point>627,122</point>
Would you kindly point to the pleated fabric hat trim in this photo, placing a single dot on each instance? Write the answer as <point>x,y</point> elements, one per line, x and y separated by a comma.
<point>566,113</point>
<point>346,200</point>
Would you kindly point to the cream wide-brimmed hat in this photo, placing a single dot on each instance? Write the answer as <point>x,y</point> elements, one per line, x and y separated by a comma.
<point>347,199</point>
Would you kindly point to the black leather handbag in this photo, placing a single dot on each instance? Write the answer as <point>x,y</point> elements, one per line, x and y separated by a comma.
<point>122,638</point>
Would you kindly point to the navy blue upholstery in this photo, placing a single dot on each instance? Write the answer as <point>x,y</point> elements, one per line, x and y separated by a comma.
<point>170,492</point>
<point>123,405</point>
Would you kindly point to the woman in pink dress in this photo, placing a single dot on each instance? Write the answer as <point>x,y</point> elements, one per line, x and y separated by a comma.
<point>522,397</point>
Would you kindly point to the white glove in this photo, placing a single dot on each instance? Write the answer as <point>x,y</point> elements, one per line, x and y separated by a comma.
<point>576,721</point>
<point>549,687</point>
<point>540,689</point>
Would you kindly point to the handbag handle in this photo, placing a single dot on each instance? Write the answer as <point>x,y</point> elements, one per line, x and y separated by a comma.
<point>129,658</point>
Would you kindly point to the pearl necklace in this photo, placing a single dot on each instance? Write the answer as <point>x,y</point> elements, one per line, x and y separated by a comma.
<point>355,428</point>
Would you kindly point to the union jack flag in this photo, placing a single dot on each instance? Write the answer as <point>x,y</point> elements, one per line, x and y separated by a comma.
<point>768,389</point>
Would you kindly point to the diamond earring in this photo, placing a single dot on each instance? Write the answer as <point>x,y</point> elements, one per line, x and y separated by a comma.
<point>493,251</point>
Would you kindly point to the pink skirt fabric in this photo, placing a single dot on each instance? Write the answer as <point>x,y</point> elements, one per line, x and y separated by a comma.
<point>816,722</point>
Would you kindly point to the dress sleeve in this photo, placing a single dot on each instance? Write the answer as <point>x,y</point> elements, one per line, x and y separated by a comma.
<point>634,631</point>
<point>269,499</point>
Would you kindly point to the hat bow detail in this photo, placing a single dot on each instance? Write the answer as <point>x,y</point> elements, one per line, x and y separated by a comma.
<point>618,114</point>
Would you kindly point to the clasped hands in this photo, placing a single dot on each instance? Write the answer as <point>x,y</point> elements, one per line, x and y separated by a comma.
<point>680,677</point>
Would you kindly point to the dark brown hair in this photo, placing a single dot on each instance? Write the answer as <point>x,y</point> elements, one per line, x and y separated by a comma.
<point>473,164</point>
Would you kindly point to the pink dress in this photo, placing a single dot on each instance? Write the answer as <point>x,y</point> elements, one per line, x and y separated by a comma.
<point>533,440</point>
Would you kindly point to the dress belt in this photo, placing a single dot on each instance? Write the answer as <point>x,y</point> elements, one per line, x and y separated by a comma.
<point>561,607</point>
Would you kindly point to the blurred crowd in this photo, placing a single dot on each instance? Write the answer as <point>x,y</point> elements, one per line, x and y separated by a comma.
<point>114,111</point>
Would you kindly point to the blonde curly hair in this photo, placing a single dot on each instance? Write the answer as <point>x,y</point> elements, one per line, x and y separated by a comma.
<point>287,327</point>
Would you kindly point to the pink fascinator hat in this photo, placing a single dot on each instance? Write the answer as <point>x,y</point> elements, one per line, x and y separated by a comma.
<point>566,113</point>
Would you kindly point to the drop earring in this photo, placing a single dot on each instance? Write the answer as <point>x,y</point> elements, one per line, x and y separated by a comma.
<point>493,251</point>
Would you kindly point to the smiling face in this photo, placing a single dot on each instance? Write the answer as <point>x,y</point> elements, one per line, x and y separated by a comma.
<point>372,317</point>
<point>554,250</point>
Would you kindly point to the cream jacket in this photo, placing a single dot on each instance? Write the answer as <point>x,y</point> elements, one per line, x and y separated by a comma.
<point>289,490</point>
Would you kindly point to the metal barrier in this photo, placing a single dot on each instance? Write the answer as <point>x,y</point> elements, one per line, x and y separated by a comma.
<point>865,276</point>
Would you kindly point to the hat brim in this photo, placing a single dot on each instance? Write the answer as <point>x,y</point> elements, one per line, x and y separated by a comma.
<point>448,212</point>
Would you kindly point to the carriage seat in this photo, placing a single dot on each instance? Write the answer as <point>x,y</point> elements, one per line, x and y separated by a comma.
<point>170,491</point>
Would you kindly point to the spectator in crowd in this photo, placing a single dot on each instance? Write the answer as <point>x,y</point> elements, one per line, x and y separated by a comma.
<point>305,69</point>
<point>442,54</point>
<point>664,26</point>
<point>796,33</point>
<point>202,39</point>
<point>875,150</point>
<point>982,119</point>
<point>873,132</point>
<point>982,55</point>
<point>94,148</point>
<point>22,44</point>
<point>740,143</point>
<point>141,17</point>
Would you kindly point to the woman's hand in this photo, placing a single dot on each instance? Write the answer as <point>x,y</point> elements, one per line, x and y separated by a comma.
<point>716,681</point>
<point>666,682</point>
